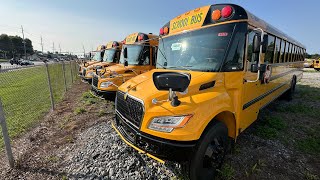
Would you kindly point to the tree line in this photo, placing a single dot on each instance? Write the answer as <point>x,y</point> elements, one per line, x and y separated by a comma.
<point>12,46</point>
<point>313,56</point>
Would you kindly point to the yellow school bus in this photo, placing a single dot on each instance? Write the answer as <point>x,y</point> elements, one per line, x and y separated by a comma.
<point>217,67</point>
<point>139,57</point>
<point>316,64</point>
<point>111,57</point>
<point>97,57</point>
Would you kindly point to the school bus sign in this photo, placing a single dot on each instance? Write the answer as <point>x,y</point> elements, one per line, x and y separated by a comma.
<point>131,38</point>
<point>190,20</point>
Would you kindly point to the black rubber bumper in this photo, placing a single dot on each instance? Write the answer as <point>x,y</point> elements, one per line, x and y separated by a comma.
<point>103,94</point>
<point>88,80</point>
<point>159,147</point>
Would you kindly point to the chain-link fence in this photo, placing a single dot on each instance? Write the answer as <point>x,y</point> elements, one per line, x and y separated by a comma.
<point>27,94</point>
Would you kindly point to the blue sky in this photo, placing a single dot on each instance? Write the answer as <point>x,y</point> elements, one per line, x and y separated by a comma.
<point>72,23</point>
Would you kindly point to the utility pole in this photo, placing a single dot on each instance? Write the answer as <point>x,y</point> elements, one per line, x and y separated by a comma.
<point>53,48</point>
<point>41,44</point>
<point>24,43</point>
<point>84,51</point>
<point>60,48</point>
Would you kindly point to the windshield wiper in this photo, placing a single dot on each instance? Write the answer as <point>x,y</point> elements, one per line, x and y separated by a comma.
<point>163,67</point>
<point>183,67</point>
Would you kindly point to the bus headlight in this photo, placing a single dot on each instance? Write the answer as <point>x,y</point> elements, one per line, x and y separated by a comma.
<point>106,84</point>
<point>168,123</point>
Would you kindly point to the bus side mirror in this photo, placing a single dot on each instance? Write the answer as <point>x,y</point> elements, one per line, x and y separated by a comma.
<point>172,82</point>
<point>164,81</point>
<point>125,53</point>
<point>254,68</point>
<point>126,63</point>
<point>256,43</point>
<point>265,43</point>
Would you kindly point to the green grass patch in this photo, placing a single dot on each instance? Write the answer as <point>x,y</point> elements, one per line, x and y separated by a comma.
<point>4,60</point>
<point>310,176</point>
<point>79,110</point>
<point>226,172</point>
<point>26,97</point>
<point>271,127</point>
<point>309,145</point>
<point>299,109</point>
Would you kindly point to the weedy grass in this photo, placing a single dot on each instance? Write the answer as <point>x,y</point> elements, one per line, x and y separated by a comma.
<point>226,172</point>
<point>25,95</point>
<point>271,127</point>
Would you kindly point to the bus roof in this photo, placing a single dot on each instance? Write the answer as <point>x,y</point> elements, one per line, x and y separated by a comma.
<point>114,44</point>
<point>139,37</point>
<point>203,16</point>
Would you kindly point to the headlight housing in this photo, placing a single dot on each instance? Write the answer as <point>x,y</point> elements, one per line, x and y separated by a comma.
<point>106,84</point>
<point>168,123</point>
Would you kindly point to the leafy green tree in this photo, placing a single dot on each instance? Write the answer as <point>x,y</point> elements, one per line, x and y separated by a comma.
<point>5,45</point>
<point>29,47</point>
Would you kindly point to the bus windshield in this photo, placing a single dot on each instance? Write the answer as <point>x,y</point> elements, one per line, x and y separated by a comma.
<point>199,50</point>
<point>109,55</point>
<point>134,53</point>
<point>97,56</point>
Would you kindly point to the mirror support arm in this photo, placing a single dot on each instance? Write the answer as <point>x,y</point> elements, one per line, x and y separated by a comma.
<point>259,61</point>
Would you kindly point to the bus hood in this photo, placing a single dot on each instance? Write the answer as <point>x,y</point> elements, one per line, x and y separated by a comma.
<point>142,86</point>
<point>121,69</point>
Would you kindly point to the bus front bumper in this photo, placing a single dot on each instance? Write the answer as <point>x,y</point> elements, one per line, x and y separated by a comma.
<point>154,147</point>
<point>102,94</point>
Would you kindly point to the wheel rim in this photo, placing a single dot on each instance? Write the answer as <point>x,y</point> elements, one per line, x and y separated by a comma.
<point>213,156</point>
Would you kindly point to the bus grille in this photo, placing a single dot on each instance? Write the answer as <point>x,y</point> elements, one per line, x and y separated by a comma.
<point>95,80</point>
<point>130,108</point>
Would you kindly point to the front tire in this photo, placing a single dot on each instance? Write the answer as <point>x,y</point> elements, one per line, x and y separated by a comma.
<point>210,153</point>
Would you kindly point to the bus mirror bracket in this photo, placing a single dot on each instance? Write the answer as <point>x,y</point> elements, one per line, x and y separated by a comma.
<point>172,82</point>
<point>257,43</point>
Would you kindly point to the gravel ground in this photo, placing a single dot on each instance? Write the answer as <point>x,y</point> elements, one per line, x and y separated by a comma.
<point>105,156</point>
<point>86,146</point>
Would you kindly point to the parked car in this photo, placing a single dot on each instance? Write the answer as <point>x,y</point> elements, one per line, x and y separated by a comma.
<point>14,61</point>
<point>26,63</point>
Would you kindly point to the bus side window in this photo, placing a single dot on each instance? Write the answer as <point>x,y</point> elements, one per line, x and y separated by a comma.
<point>268,58</point>
<point>252,58</point>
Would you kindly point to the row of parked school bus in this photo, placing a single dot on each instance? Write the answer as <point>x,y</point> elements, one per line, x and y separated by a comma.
<point>187,94</point>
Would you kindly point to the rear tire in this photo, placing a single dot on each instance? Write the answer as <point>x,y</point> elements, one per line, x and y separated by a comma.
<point>210,153</point>
<point>288,95</point>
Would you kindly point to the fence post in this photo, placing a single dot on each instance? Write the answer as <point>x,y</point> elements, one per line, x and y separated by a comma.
<point>50,87</point>
<point>64,76</point>
<point>6,136</point>
<point>71,72</point>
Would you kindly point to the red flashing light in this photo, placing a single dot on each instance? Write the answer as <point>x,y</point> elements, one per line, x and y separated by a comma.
<point>140,38</point>
<point>226,11</point>
<point>161,31</point>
